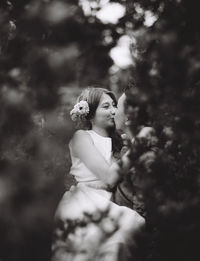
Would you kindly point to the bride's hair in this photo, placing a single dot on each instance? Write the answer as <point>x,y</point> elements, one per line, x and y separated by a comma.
<point>92,96</point>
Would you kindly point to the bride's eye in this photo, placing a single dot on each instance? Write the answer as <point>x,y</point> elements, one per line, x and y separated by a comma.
<point>106,105</point>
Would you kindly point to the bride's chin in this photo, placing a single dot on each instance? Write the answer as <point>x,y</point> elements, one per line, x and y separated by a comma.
<point>111,126</point>
<point>111,123</point>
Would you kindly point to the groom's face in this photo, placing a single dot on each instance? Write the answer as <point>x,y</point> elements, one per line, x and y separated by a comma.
<point>120,113</point>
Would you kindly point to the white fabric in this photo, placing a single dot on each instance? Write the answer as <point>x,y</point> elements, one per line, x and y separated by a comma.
<point>78,168</point>
<point>82,174</point>
<point>87,197</point>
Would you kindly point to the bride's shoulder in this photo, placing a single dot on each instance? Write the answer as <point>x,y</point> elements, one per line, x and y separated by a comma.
<point>80,141</point>
<point>81,135</point>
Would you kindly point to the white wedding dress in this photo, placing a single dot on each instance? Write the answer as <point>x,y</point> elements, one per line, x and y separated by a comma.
<point>88,225</point>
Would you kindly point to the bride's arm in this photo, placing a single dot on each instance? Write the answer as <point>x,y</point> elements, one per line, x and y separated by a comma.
<point>83,148</point>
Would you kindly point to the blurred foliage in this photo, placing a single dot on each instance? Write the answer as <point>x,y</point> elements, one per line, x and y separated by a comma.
<point>48,50</point>
<point>85,229</point>
<point>45,45</point>
<point>164,94</point>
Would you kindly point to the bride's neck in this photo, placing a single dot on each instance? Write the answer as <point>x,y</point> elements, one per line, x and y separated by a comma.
<point>100,131</point>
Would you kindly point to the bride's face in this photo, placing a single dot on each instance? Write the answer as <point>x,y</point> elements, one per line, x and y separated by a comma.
<point>105,113</point>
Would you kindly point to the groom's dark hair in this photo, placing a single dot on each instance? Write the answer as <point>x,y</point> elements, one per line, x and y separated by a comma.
<point>128,87</point>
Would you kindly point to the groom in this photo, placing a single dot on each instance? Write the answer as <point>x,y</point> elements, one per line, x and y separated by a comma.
<point>123,195</point>
<point>127,194</point>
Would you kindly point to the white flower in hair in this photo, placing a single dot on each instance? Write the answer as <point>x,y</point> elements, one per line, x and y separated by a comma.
<point>80,110</point>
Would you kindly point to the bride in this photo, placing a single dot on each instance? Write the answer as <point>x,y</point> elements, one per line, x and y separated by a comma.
<point>88,225</point>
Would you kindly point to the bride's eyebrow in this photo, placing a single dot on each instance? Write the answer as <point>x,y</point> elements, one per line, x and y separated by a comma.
<point>105,103</point>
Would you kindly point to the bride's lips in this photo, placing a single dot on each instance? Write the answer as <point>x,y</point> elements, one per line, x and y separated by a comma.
<point>111,119</point>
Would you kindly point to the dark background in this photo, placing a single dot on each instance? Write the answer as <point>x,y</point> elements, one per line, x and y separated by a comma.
<point>49,50</point>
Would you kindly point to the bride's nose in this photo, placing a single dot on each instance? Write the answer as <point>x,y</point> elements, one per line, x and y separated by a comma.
<point>113,110</point>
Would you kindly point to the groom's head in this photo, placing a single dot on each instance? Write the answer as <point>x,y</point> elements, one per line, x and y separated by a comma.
<point>120,116</point>
<point>137,101</point>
